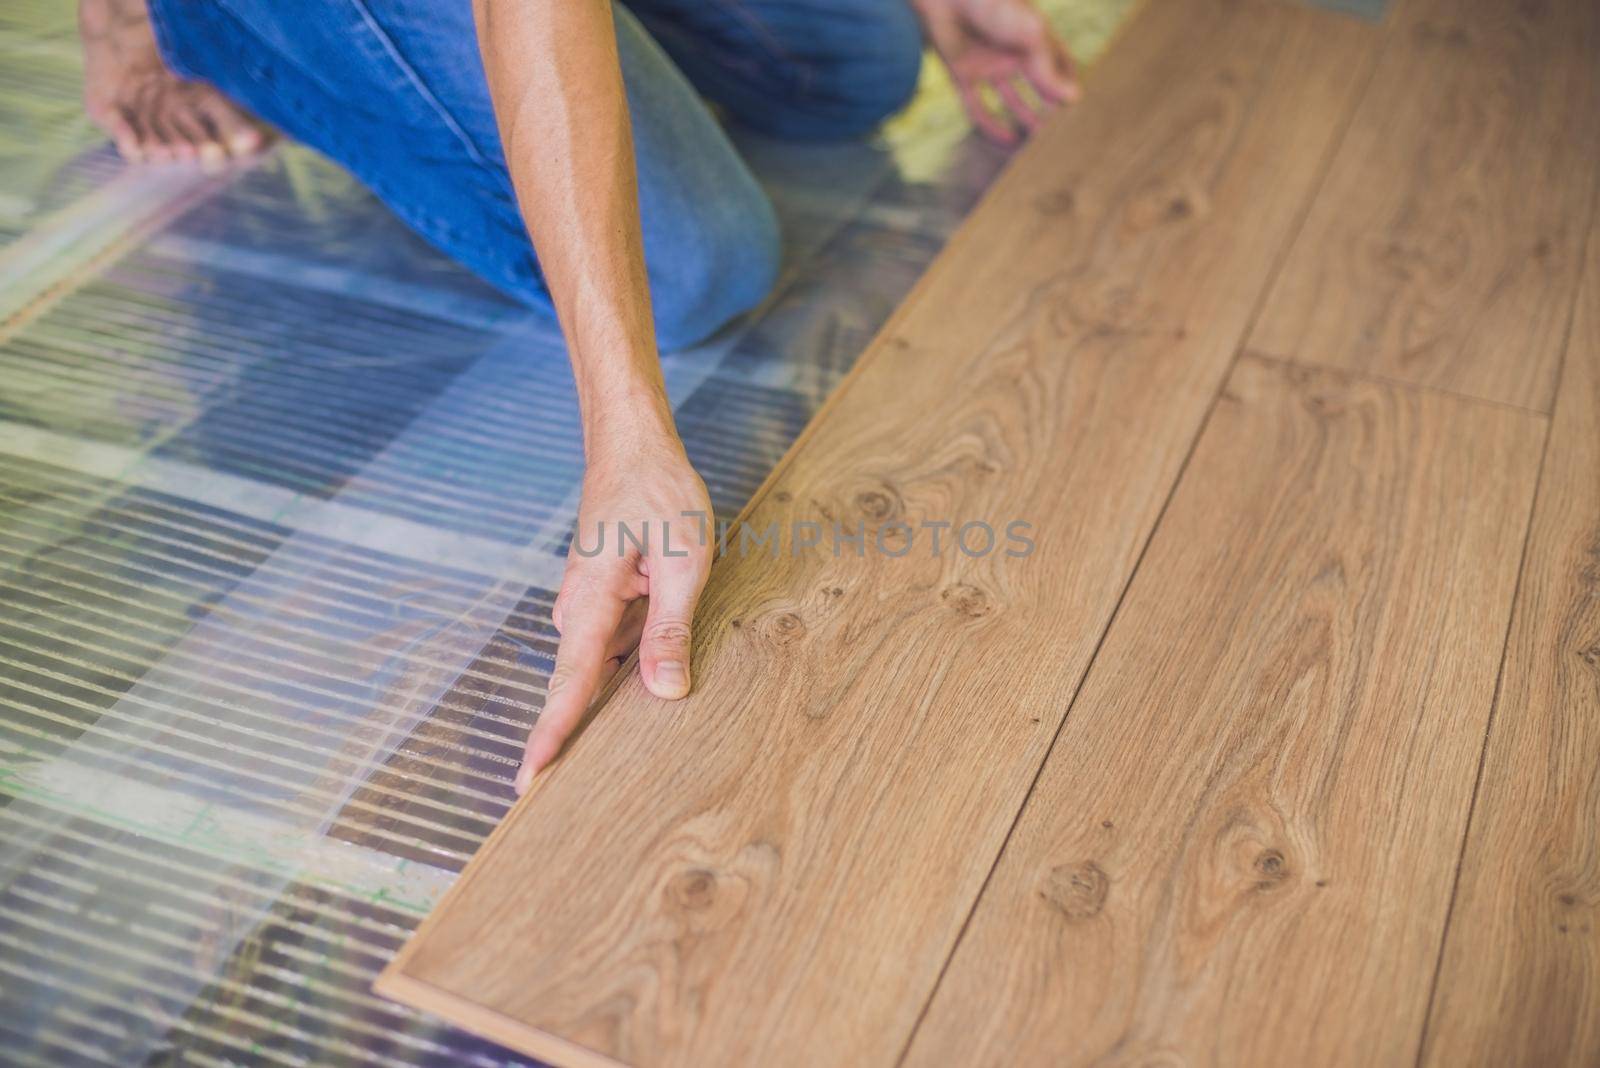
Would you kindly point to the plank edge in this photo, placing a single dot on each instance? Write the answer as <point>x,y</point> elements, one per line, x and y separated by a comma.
<point>395,984</point>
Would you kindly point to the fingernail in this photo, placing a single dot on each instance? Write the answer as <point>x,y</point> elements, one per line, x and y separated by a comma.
<point>244,143</point>
<point>672,680</point>
<point>524,778</point>
<point>212,155</point>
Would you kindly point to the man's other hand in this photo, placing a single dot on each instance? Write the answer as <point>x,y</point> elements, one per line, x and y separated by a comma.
<point>1005,49</point>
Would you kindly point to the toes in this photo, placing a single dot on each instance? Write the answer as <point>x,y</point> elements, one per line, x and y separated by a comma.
<point>127,135</point>
<point>245,140</point>
<point>147,112</point>
<point>187,133</point>
<point>158,147</point>
<point>249,141</point>
<point>172,133</point>
<point>190,118</point>
<point>182,122</point>
<point>235,131</point>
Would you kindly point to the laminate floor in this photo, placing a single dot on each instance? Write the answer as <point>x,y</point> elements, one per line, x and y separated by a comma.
<point>1520,978</point>
<point>1276,747</point>
<point>1446,245</point>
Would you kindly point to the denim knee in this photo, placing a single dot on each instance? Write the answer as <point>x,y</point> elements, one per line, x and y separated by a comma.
<point>873,77</point>
<point>728,267</point>
<point>890,80</point>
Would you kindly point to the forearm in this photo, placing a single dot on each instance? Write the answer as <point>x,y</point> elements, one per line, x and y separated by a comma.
<point>556,84</point>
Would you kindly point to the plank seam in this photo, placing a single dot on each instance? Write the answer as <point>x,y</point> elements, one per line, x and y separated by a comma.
<point>1389,382</point>
<point>1056,737</point>
<point>1505,645</point>
<point>1291,234</point>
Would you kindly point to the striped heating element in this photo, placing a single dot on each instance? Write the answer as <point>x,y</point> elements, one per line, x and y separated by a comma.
<point>283,503</point>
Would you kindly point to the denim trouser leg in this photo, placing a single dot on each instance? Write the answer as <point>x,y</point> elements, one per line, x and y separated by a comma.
<point>802,69</point>
<point>394,90</point>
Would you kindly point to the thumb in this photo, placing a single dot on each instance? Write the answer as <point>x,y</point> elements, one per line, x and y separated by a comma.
<point>664,644</point>
<point>1051,70</point>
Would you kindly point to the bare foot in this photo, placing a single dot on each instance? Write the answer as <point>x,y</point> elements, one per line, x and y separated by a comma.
<point>149,112</point>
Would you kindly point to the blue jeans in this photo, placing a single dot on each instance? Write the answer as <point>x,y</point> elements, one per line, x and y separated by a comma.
<point>394,91</point>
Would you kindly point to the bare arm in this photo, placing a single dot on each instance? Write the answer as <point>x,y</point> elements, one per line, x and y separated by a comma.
<point>557,89</point>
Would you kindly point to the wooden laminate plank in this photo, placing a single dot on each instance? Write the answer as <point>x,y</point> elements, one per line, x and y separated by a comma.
<point>1520,978</point>
<point>1241,848</point>
<point>775,870</point>
<point>1446,245</point>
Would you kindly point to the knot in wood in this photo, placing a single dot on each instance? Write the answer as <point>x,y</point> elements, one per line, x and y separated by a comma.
<point>1271,869</point>
<point>693,890</point>
<point>1056,202</point>
<point>967,600</point>
<point>1077,891</point>
<point>877,504</point>
<point>786,628</point>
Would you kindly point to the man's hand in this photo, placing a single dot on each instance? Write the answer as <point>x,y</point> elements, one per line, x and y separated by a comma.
<point>618,594</point>
<point>556,82</point>
<point>1007,47</point>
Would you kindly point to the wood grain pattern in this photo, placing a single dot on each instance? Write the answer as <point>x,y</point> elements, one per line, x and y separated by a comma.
<point>1445,246</point>
<point>775,870</point>
<point>1241,848</point>
<point>1520,979</point>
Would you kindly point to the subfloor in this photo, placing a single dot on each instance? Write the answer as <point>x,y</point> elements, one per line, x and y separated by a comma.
<point>274,475</point>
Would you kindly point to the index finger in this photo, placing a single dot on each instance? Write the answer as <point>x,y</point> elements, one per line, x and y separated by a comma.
<point>1020,109</point>
<point>985,120</point>
<point>1052,73</point>
<point>591,619</point>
